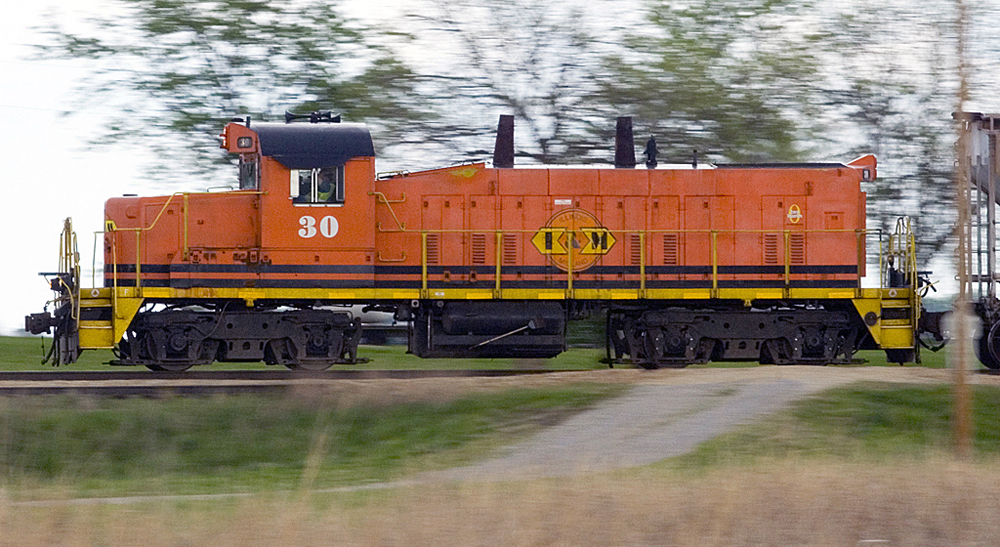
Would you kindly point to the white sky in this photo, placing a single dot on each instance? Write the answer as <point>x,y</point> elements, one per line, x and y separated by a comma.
<point>48,175</point>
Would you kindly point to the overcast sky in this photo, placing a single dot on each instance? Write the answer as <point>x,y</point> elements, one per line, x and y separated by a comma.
<point>48,175</point>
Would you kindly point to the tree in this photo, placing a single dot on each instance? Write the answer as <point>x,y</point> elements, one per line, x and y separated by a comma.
<point>707,76</point>
<point>888,79</point>
<point>726,77</point>
<point>178,71</point>
<point>530,58</point>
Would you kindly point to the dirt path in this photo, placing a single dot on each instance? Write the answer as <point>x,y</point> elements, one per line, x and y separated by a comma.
<point>667,414</point>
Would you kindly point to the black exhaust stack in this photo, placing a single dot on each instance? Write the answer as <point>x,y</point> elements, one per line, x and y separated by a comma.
<point>624,145</point>
<point>503,152</point>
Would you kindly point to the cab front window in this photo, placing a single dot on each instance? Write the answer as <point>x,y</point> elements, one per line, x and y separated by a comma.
<point>323,186</point>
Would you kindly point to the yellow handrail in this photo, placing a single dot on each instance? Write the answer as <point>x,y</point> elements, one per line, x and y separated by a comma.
<point>110,227</point>
<point>399,225</point>
<point>860,235</point>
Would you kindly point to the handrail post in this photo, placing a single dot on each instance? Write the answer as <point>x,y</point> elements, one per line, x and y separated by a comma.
<point>185,251</point>
<point>642,264</point>
<point>859,236</point>
<point>499,260</point>
<point>787,234</point>
<point>423,264</point>
<point>880,271</point>
<point>569,264</point>
<point>138,259</point>
<point>715,264</point>
<point>114,270</point>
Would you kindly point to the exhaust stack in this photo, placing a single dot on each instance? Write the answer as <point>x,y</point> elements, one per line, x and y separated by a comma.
<point>503,152</point>
<point>624,145</point>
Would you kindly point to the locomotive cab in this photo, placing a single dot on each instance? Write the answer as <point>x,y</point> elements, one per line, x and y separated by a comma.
<point>214,273</point>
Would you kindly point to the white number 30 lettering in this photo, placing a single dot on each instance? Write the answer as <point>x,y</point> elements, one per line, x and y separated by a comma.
<point>328,227</point>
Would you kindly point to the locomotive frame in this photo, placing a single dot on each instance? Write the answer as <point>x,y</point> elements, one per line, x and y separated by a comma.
<point>486,262</point>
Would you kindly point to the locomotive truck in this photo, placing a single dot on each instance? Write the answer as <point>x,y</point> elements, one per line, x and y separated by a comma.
<point>686,263</point>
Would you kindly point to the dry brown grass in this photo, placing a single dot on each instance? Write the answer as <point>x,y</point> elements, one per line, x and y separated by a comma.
<point>933,502</point>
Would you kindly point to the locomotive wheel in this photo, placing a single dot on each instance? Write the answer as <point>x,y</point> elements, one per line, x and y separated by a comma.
<point>310,365</point>
<point>171,367</point>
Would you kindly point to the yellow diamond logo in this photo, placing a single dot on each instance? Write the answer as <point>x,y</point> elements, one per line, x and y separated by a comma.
<point>547,241</point>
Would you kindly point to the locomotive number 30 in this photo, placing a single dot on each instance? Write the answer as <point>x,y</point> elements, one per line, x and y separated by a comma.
<point>328,226</point>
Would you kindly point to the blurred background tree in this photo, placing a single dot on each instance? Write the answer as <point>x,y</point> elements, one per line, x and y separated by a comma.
<point>889,85</point>
<point>177,71</point>
<point>730,78</point>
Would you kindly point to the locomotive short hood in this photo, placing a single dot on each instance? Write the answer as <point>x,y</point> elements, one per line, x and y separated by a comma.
<point>310,146</point>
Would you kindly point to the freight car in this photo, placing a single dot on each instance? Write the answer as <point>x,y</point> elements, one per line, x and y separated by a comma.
<point>688,263</point>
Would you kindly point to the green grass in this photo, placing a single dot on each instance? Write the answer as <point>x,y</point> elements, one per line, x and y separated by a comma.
<point>187,445</point>
<point>869,422</point>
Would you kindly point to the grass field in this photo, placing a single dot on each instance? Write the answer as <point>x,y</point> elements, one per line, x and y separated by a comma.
<point>863,465</point>
<point>253,443</point>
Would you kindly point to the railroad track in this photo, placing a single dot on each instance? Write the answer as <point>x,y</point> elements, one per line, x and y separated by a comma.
<point>140,383</point>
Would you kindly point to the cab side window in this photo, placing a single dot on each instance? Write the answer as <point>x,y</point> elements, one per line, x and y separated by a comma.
<point>249,173</point>
<point>323,186</point>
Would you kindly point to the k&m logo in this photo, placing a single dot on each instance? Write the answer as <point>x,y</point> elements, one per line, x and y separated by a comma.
<point>573,234</point>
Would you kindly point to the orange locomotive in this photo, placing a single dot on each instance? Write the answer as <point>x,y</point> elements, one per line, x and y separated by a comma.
<point>689,263</point>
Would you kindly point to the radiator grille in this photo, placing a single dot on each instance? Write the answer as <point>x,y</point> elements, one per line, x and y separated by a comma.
<point>670,249</point>
<point>510,249</point>
<point>479,249</point>
<point>635,249</point>
<point>797,248</point>
<point>770,248</point>
<point>433,248</point>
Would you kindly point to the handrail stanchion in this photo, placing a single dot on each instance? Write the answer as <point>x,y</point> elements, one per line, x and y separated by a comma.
<point>138,260</point>
<point>185,207</point>
<point>423,264</point>
<point>715,264</point>
<point>569,264</point>
<point>499,261</point>
<point>642,264</point>
<point>788,262</point>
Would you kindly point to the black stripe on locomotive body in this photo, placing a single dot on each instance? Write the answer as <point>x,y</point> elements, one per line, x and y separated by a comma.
<point>242,268</point>
<point>264,277</point>
<point>847,269</point>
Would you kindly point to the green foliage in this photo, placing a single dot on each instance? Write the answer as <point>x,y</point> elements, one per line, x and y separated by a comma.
<point>251,442</point>
<point>729,79</point>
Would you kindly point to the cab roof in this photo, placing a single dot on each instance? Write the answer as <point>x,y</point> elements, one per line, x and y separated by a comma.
<point>305,145</point>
